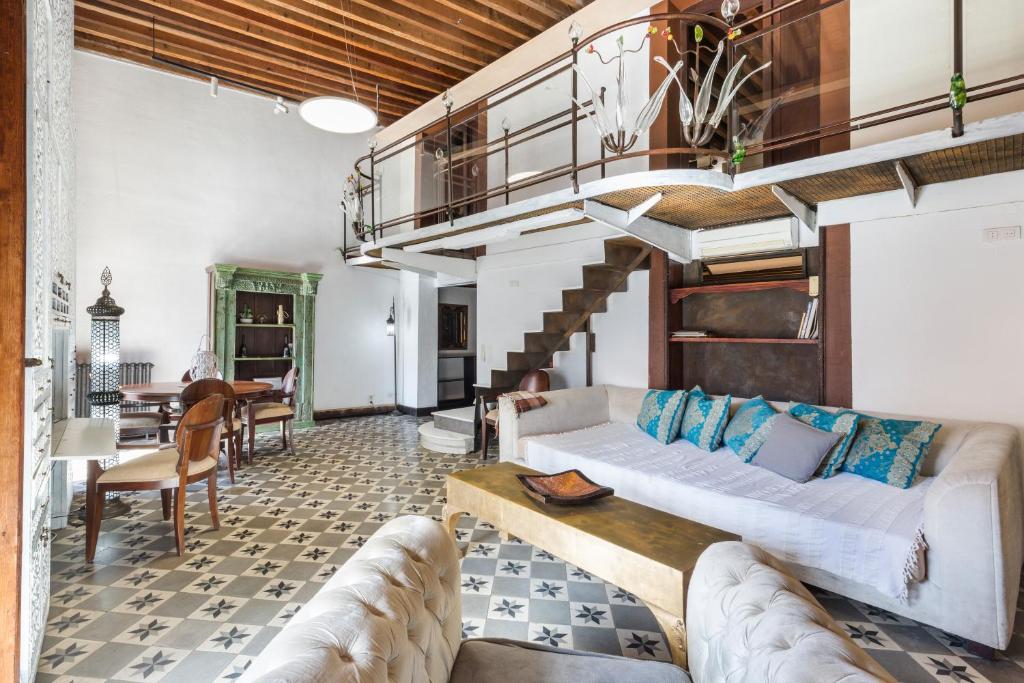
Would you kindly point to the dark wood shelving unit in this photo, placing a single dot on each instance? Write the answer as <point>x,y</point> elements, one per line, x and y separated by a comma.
<point>740,340</point>
<point>798,285</point>
<point>752,348</point>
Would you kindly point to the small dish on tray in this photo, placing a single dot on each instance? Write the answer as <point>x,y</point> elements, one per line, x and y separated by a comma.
<point>564,488</point>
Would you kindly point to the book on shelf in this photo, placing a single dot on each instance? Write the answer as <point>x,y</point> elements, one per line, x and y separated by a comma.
<point>809,322</point>
<point>690,333</point>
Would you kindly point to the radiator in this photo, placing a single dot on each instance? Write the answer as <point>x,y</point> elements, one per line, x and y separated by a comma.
<point>131,373</point>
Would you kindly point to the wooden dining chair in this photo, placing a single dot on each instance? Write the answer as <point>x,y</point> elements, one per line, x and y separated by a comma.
<point>534,381</point>
<point>278,406</point>
<point>192,458</point>
<point>234,426</point>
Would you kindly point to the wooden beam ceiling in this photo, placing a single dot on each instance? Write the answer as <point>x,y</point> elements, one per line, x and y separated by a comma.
<point>411,49</point>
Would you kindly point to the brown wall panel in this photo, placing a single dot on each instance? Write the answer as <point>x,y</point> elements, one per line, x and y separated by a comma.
<point>837,336</point>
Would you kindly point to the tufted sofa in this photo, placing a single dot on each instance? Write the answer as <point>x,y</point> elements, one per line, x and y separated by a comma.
<point>393,613</point>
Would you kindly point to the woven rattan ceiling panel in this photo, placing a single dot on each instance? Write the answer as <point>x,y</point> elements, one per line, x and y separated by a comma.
<point>695,206</point>
<point>969,161</point>
<point>847,182</point>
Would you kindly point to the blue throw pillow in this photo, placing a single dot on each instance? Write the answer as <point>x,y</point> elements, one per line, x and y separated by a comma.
<point>704,419</point>
<point>889,451</point>
<point>843,423</point>
<point>749,427</point>
<point>661,414</point>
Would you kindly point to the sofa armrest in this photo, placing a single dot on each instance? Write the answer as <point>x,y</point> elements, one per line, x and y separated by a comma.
<point>973,528</point>
<point>748,619</point>
<point>566,411</point>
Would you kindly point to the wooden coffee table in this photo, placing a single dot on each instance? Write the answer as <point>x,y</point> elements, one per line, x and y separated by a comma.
<point>648,552</point>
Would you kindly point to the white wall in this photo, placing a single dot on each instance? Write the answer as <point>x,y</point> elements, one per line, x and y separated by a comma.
<point>937,319</point>
<point>417,340</point>
<point>902,51</point>
<point>520,279</point>
<point>171,180</point>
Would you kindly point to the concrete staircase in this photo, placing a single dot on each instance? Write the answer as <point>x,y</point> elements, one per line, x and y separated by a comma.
<point>452,431</point>
<point>622,256</point>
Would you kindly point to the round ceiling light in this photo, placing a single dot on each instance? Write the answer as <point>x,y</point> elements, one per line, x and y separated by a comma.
<point>337,114</point>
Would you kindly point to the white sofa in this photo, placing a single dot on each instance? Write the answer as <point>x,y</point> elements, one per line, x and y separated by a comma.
<point>968,504</point>
<point>393,613</point>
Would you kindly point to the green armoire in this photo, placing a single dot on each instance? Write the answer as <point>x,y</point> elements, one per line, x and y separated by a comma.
<point>263,322</point>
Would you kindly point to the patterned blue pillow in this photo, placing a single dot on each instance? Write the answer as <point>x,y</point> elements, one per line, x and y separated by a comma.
<point>844,422</point>
<point>661,414</point>
<point>749,427</point>
<point>890,451</point>
<point>704,419</point>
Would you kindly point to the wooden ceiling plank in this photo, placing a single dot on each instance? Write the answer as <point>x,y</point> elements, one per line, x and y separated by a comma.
<point>554,11</point>
<point>508,12</point>
<point>465,60</point>
<point>143,35</point>
<point>200,18</point>
<point>456,21</point>
<point>485,16</point>
<point>92,35</point>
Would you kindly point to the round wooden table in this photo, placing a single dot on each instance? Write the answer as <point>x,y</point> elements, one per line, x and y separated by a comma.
<point>165,392</point>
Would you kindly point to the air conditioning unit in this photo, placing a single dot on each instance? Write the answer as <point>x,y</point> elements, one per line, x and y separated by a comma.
<point>754,238</point>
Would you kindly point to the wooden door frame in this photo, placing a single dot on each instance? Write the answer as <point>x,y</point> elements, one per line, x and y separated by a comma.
<point>13,210</point>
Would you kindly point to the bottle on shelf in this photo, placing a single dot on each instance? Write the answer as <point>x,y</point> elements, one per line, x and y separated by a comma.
<point>287,352</point>
<point>242,351</point>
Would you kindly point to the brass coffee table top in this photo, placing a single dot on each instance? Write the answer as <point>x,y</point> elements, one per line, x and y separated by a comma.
<point>662,537</point>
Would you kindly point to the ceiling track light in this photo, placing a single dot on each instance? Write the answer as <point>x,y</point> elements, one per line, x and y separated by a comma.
<point>279,106</point>
<point>214,86</point>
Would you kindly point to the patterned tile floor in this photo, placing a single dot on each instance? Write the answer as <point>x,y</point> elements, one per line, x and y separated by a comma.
<point>141,613</point>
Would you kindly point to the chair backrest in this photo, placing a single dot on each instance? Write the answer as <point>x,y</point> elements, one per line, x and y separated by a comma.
<point>535,381</point>
<point>201,388</point>
<point>187,377</point>
<point>289,385</point>
<point>392,612</point>
<point>198,433</point>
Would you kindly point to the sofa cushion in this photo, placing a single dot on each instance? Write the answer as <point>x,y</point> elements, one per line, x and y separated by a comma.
<point>793,449</point>
<point>843,423</point>
<point>704,419</point>
<point>749,427</point>
<point>392,612</point>
<point>748,619</point>
<point>890,451</point>
<point>826,523</point>
<point>661,414</point>
<point>500,661</point>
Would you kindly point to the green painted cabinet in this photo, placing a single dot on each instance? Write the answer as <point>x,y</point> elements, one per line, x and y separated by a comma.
<point>263,322</point>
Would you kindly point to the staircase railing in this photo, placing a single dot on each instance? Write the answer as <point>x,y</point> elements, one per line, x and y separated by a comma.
<point>740,38</point>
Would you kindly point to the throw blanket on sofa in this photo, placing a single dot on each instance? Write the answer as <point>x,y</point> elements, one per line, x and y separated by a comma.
<point>525,401</point>
<point>853,527</point>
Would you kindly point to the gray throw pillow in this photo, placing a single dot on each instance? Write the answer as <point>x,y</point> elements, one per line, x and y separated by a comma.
<point>794,449</point>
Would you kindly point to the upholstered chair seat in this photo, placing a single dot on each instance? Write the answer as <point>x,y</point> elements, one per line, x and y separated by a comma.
<point>264,411</point>
<point>156,466</point>
<point>492,416</point>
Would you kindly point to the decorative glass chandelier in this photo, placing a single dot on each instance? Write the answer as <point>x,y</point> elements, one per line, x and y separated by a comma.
<point>617,136</point>
<point>352,201</point>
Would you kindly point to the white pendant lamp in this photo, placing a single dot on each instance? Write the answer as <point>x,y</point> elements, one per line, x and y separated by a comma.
<point>337,114</point>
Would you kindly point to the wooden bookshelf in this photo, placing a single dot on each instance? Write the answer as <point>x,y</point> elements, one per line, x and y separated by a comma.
<point>739,340</point>
<point>802,285</point>
<point>235,290</point>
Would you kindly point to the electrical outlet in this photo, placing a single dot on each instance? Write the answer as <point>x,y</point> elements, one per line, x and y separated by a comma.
<point>1001,234</point>
<point>371,399</point>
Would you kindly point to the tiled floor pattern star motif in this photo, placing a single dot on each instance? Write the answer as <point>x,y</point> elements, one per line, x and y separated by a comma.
<point>141,613</point>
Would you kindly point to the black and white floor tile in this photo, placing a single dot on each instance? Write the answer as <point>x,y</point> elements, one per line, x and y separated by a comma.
<point>141,613</point>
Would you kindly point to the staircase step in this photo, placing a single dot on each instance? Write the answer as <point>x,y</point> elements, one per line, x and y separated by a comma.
<point>541,342</point>
<point>523,360</point>
<point>458,420</point>
<point>620,253</point>
<point>579,300</point>
<point>443,441</point>
<point>559,321</point>
<point>506,379</point>
<point>604,276</point>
